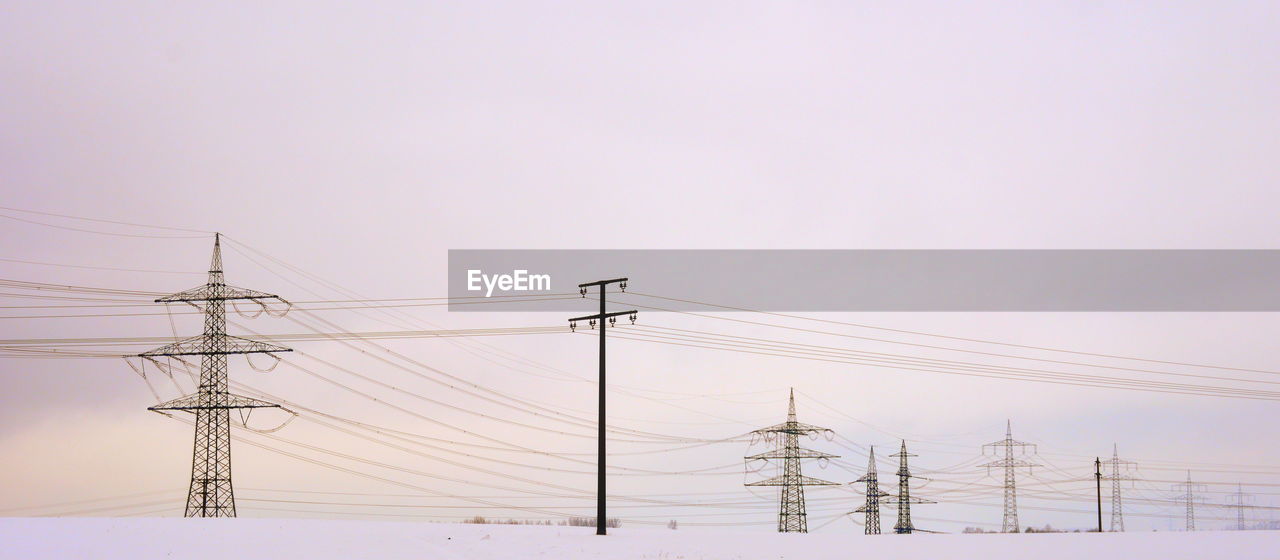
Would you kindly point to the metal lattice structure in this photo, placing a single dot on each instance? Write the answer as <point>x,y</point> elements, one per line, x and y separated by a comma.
<point>791,514</point>
<point>1239,500</point>
<point>1117,466</point>
<point>904,525</point>
<point>871,509</point>
<point>1190,498</point>
<point>1010,463</point>
<point>211,493</point>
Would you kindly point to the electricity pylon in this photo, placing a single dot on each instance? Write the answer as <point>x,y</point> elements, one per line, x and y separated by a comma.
<point>211,494</point>
<point>871,526</point>
<point>1010,464</point>
<point>791,515</point>
<point>904,526</point>
<point>1239,500</point>
<point>1115,477</point>
<point>1117,509</point>
<point>1190,498</point>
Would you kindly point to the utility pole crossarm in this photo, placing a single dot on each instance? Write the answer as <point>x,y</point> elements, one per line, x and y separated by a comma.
<point>602,316</point>
<point>603,283</point>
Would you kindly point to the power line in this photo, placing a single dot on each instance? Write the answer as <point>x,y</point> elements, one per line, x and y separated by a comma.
<point>99,232</point>
<point>959,338</point>
<point>99,220</point>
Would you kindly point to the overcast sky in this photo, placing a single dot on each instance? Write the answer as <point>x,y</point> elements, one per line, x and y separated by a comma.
<point>361,142</point>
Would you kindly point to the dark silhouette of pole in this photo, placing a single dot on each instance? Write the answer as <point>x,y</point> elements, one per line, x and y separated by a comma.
<point>601,519</point>
<point>1097,474</point>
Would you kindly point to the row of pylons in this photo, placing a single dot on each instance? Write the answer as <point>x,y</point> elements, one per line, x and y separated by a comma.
<point>791,510</point>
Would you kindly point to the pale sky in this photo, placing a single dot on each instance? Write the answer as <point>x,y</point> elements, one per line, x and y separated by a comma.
<point>361,142</point>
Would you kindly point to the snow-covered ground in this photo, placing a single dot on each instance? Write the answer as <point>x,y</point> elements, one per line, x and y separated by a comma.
<point>280,539</point>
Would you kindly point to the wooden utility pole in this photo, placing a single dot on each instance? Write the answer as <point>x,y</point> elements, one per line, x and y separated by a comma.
<point>1097,474</point>
<point>601,519</point>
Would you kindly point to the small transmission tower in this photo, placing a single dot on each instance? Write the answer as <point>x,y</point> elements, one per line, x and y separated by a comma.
<point>904,526</point>
<point>210,494</point>
<point>1117,466</point>
<point>1239,500</point>
<point>791,515</point>
<point>872,508</point>
<point>1190,498</point>
<point>1010,463</point>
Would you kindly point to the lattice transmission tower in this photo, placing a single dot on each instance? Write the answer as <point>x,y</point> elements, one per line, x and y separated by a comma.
<point>1010,463</point>
<point>211,493</point>
<point>791,514</point>
<point>904,498</point>
<point>871,509</point>
<point>1119,471</point>
<point>1239,500</point>
<point>1189,498</point>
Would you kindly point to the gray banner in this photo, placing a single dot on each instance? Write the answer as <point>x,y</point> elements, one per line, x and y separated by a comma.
<point>874,280</point>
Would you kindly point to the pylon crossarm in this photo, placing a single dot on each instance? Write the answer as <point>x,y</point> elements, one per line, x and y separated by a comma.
<point>1010,463</point>
<point>221,293</point>
<point>912,499</point>
<point>799,453</point>
<point>195,346</point>
<point>198,401</point>
<point>797,428</point>
<point>793,480</point>
<point>1009,443</point>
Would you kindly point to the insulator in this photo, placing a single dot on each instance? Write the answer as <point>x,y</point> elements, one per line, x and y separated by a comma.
<point>583,291</point>
<point>633,318</point>
<point>623,285</point>
<point>593,323</point>
<point>573,326</point>
<point>613,321</point>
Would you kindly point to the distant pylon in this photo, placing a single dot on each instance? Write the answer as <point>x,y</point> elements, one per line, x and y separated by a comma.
<point>1189,498</point>
<point>904,525</point>
<point>210,493</point>
<point>1239,500</point>
<point>1010,464</point>
<point>871,526</point>
<point>791,514</point>
<point>1117,509</point>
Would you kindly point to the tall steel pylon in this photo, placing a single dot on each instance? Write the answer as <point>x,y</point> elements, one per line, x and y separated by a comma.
<point>1117,508</point>
<point>1239,500</point>
<point>1010,463</point>
<point>904,525</point>
<point>1189,498</point>
<point>211,494</point>
<point>871,524</point>
<point>791,514</point>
